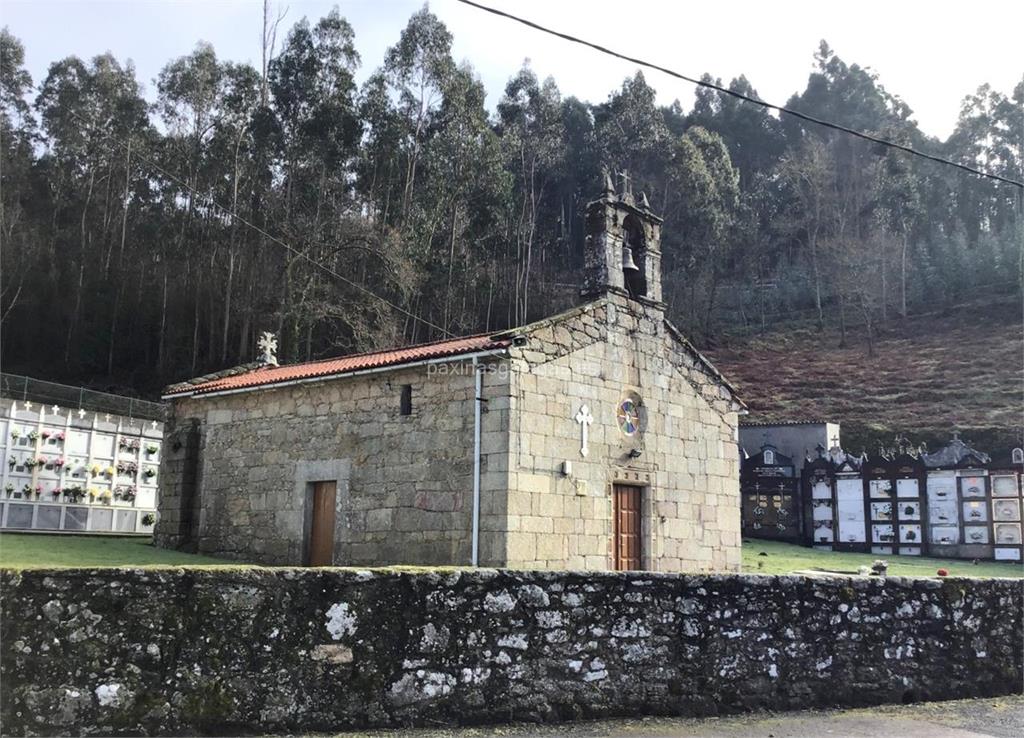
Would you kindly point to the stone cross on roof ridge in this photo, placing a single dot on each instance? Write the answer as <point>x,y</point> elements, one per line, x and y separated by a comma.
<point>268,346</point>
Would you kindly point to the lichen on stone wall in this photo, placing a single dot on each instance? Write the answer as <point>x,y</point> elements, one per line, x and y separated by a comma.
<point>178,651</point>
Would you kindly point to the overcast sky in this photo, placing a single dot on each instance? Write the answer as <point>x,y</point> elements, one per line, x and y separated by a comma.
<point>930,53</point>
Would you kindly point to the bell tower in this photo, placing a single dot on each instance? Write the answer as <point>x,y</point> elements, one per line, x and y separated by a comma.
<point>623,245</point>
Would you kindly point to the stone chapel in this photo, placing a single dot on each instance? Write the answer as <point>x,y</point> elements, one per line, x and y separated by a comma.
<point>594,439</point>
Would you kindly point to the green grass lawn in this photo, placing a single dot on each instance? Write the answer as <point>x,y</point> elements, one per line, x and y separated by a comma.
<point>32,550</point>
<point>29,550</point>
<point>783,558</point>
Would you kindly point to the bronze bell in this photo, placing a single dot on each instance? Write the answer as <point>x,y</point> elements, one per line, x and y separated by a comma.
<point>628,265</point>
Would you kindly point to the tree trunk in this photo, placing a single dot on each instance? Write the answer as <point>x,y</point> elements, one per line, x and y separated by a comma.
<point>229,287</point>
<point>903,276</point>
<point>124,209</point>
<point>881,270</point>
<point>817,285</point>
<point>113,332</point>
<point>162,340</point>
<point>842,321</point>
<point>81,273</point>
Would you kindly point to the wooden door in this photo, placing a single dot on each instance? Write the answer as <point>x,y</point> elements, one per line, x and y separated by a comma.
<point>627,527</point>
<point>321,528</point>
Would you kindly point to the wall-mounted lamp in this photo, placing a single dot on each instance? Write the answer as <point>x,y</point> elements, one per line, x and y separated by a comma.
<point>566,468</point>
<point>634,453</point>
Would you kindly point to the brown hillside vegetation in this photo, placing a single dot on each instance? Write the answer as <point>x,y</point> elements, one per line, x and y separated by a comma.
<point>962,368</point>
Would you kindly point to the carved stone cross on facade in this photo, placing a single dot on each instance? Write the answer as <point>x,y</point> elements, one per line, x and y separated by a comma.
<point>268,345</point>
<point>584,418</point>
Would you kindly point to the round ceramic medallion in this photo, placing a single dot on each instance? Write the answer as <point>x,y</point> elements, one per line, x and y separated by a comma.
<point>628,416</point>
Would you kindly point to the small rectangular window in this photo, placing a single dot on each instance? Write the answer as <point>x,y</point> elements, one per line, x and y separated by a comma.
<point>406,405</point>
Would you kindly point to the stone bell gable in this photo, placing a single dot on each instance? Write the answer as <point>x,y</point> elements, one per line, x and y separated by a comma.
<point>622,253</point>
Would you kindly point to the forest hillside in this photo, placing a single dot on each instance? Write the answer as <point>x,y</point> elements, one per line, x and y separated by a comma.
<point>145,241</point>
<point>959,368</point>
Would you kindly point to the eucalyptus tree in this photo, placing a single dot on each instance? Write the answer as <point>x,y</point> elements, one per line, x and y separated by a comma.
<point>899,210</point>
<point>703,245</point>
<point>809,175</point>
<point>632,136</point>
<point>17,137</point>
<point>990,135</point>
<point>190,103</point>
<point>243,163</point>
<point>754,137</point>
<point>88,112</point>
<point>418,69</point>
<point>532,131</point>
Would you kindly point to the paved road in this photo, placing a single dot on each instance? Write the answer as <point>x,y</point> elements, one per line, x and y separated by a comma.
<point>990,718</point>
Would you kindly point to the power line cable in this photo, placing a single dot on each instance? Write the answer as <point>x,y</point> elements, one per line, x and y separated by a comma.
<point>741,96</point>
<point>213,202</point>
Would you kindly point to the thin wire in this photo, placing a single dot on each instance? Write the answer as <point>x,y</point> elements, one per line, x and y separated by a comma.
<point>741,96</point>
<point>209,197</point>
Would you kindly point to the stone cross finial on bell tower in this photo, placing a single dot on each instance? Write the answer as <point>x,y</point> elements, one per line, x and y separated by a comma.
<point>626,194</point>
<point>609,186</point>
<point>268,348</point>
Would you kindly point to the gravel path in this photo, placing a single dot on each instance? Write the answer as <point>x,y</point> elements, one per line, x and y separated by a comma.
<point>1001,717</point>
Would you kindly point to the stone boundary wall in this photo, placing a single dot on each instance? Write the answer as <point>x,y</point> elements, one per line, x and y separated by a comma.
<point>236,651</point>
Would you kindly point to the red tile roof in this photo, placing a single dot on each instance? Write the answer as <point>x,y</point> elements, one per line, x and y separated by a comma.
<point>268,375</point>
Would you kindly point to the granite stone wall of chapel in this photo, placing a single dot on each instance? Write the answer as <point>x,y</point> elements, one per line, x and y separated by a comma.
<point>688,464</point>
<point>239,468</point>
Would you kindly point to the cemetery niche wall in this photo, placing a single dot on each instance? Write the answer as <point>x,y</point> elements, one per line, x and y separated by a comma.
<point>69,470</point>
<point>770,492</point>
<point>954,503</point>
